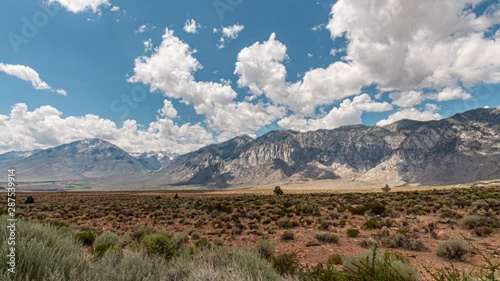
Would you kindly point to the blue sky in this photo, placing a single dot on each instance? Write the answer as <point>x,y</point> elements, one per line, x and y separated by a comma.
<point>91,52</point>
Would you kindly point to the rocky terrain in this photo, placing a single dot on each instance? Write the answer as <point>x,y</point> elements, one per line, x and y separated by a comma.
<point>463,148</point>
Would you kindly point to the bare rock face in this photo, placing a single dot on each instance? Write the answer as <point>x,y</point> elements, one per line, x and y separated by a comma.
<point>463,148</point>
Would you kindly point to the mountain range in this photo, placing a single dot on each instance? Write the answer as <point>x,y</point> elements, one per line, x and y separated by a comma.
<point>461,149</point>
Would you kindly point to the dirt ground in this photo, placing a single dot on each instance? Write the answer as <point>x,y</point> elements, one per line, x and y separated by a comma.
<point>244,217</point>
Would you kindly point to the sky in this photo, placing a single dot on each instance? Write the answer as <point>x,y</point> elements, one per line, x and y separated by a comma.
<point>178,75</point>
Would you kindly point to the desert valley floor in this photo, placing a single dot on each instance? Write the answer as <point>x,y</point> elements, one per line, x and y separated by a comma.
<point>412,221</point>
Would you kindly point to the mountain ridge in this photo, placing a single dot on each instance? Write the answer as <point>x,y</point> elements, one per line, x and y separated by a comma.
<point>416,148</point>
<point>462,148</point>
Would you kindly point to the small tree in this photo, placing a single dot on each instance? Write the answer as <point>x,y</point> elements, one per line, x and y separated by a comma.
<point>176,196</point>
<point>30,200</point>
<point>386,188</point>
<point>278,191</point>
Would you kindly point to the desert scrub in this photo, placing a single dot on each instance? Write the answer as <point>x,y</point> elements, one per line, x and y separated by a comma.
<point>161,244</point>
<point>322,272</point>
<point>287,224</point>
<point>132,266</point>
<point>202,243</point>
<point>371,224</point>
<point>220,263</point>
<point>104,242</point>
<point>373,266</point>
<point>43,252</point>
<point>353,232</point>
<point>140,232</point>
<point>481,226</point>
<point>265,249</point>
<point>86,237</point>
<point>375,208</point>
<point>218,241</point>
<point>453,249</point>
<point>401,241</point>
<point>287,236</point>
<point>286,264</point>
<point>327,238</point>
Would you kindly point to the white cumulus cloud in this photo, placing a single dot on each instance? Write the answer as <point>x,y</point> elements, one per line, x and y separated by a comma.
<point>405,47</point>
<point>45,127</point>
<point>349,112</point>
<point>429,113</point>
<point>28,74</point>
<point>411,45</point>
<point>170,70</point>
<point>191,26</point>
<point>412,98</point>
<point>228,33</point>
<point>145,28</point>
<point>78,6</point>
<point>168,110</point>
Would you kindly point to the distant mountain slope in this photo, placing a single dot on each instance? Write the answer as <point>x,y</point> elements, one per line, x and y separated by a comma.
<point>90,158</point>
<point>16,155</point>
<point>463,148</point>
<point>460,149</point>
<point>154,160</point>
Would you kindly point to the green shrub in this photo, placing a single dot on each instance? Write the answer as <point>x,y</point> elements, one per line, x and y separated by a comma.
<point>265,249</point>
<point>390,255</point>
<point>371,224</point>
<point>286,264</point>
<point>220,263</point>
<point>335,259</point>
<point>43,252</point>
<point>287,236</point>
<point>375,208</point>
<point>278,191</point>
<point>322,272</point>
<point>202,243</point>
<point>86,237</point>
<point>105,242</point>
<point>475,221</point>
<point>107,238</point>
<point>453,249</point>
<point>352,232</point>
<point>29,200</point>
<point>287,223</point>
<point>327,238</point>
<point>161,244</point>
<point>218,241</point>
<point>367,243</point>
<point>131,266</point>
<point>101,249</point>
<point>401,241</point>
<point>181,239</point>
<point>483,231</point>
<point>140,232</point>
<point>373,266</point>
